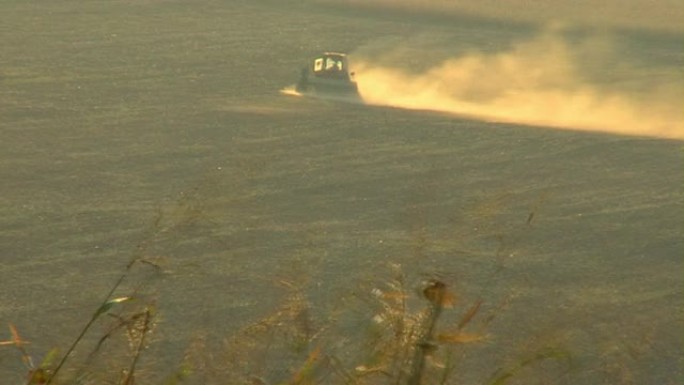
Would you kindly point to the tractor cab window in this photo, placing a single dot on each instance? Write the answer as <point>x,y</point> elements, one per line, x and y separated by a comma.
<point>330,67</point>
<point>318,65</point>
<point>332,64</point>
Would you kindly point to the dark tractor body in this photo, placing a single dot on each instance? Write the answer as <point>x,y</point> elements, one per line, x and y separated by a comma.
<point>328,75</point>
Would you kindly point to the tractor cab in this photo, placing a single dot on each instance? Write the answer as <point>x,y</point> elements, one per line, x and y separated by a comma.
<point>331,66</point>
<point>328,74</point>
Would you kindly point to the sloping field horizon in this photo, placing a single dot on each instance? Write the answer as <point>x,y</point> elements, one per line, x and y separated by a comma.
<point>268,224</point>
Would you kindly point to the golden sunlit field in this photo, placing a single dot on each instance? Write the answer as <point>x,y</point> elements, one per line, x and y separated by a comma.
<point>156,182</point>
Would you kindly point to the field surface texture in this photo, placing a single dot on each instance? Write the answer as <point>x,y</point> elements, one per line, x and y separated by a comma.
<point>536,168</point>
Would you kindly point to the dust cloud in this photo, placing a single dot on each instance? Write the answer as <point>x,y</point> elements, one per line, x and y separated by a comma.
<point>542,81</point>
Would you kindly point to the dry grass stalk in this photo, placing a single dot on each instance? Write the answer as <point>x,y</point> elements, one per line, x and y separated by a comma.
<point>409,340</point>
